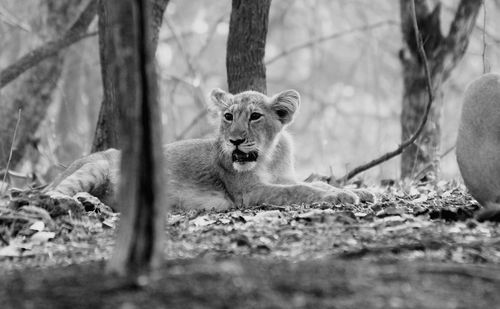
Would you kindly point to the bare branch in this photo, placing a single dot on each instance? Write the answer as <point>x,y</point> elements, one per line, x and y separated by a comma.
<point>483,55</point>
<point>415,135</point>
<point>211,34</point>
<point>458,36</point>
<point>464,21</point>
<point>195,85</point>
<point>330,37</point>
<point>192,124</point>
<point>182,49</point>
<point>12,147</point>
<point>192,70</point>
<point>490,35</point>
<point>11,20</point>
<point>74,34</point>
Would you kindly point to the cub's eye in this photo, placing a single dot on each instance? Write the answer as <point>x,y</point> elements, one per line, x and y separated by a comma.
<point>228,116</point>
<point>255,116</point>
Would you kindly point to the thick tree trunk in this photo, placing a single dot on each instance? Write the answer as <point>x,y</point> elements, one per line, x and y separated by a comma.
<point>106,133</point>
<point>36,89</point>
<point>421,159</point>
<point>140,233</point>
<point>246,45</point>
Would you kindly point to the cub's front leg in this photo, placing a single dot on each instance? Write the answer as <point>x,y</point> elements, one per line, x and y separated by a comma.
<point>278,194</point>
<point>363,195</point>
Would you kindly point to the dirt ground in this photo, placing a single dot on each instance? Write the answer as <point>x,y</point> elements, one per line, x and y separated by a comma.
<point>417,247</point>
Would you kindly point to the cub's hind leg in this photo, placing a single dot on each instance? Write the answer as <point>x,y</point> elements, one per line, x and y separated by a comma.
<point>96,174</point>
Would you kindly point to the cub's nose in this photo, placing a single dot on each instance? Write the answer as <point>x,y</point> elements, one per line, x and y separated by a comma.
<point>237,142</point>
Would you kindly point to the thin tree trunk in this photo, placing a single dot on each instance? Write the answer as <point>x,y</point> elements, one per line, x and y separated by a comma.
<point>139,244</point>
<point>421,159</point>
<point>246,45</point>
<point>36,89</point>
<point>106,133</point>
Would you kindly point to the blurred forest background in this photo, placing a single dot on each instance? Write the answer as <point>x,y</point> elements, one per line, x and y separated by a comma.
<point>345,66</point>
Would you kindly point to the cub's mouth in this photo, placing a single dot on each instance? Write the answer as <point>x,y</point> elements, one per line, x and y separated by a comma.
<point>239,156</point>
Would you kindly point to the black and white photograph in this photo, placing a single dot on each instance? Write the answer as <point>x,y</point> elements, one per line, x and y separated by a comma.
<point>200,154</point>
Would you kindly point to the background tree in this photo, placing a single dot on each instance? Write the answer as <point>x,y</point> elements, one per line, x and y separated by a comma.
<point>335,53</point>
<point>141,229</point>
<point>35,90</point>
<point>246,44</point>
<point>443,53</point>
<point>106,133</point>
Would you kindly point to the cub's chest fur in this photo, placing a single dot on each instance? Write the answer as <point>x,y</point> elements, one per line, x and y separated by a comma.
<point>249,162</point>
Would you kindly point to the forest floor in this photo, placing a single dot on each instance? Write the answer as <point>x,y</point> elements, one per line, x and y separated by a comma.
<point>417,247</point>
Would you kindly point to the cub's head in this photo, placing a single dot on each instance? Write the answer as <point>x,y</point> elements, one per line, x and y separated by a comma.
<point>251,123</point>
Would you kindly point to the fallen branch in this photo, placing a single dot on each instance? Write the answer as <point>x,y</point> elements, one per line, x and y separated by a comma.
<point>472,271</point>
<point>396,249</point>
<point>415,135</point>
<point>328,37</point>
<point>74,34</point>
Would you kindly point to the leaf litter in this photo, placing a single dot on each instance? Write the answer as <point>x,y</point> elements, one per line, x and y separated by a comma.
<point>414,222</point>
<point>408,224</point>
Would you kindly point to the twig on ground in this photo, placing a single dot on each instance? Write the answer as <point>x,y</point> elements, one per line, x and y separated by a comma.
<point>472,271</point>
<point>414,136</point>
<point>270,207</point>
<point>12,147</point>
<point>420,246</point>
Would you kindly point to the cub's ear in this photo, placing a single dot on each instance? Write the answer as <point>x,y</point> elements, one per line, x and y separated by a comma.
<point>220,98</point>
<point>285,104</point>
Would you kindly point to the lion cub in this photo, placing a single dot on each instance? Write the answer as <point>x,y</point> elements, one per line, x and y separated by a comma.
<point>478,142</point>
<point>249,162</point>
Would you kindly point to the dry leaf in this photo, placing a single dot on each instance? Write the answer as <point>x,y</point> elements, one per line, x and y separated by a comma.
<point>37,226</point>
<point>42,236</point>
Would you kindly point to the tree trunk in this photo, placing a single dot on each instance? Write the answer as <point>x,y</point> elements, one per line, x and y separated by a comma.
<point>246,45</point>
<point>140,233</point>
<point>421,160</point>
<point>36,89</point>
<point>106,133</point>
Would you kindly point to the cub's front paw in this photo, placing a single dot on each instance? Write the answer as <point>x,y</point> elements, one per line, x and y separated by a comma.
<point>340,196</point>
